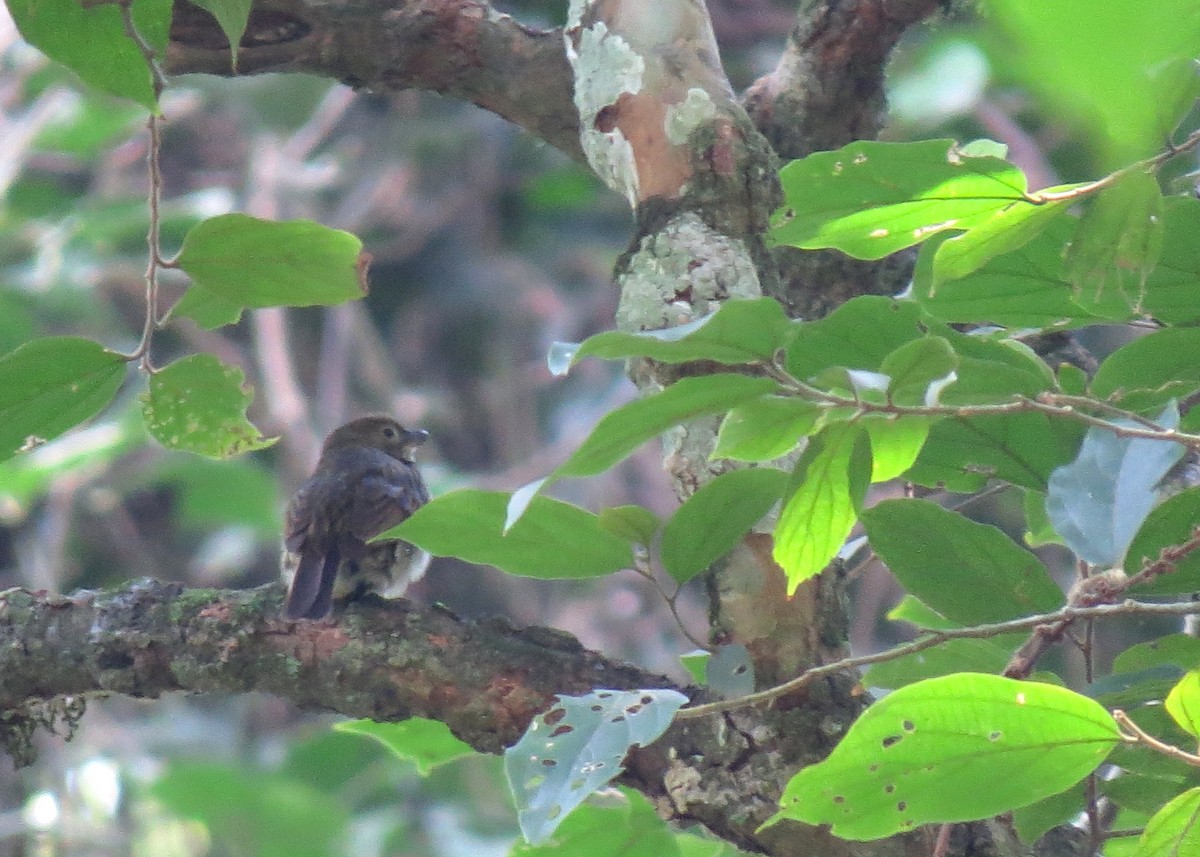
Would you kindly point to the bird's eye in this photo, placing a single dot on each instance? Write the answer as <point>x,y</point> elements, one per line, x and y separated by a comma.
<point>389,432</point>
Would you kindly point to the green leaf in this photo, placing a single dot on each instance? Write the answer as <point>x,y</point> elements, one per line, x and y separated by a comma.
<point>198,405</point>
<point>714,519</point>
<point>765,428</point>
<point>970,573</point>
<point>1033,821</point>
<point>962,453</point>
<point>1183,703</point>
<point>50,385</point>
<point>629,426</point>
<point>221,493</point>
<point>621,824</point>
<point>1025,288</point>
<point>1141,793</point>
<point>552,540</point>
<point>1009,229</point>
<point>831,477</point>
<point>919,614</point>
<point>206,309</point>
<point>425,743</point>
<point>249,262</point>
<point>1175,829</point>
<point>634,524</point>
<point>870,199</point>
<point>1038,529</point>
<point>1150,371</point>
<point>916,367</point>
<point>91,41</point>
<point>957,748</point>
<point>740,331</point>
<point>1169,524</point>
<point>696,663</point>
<point>1125,86</point>
<point>1179,650</point>
<point>232,15</point>
<point>859,334</point>
<point>253,811</point>
<point>895,444</point>
<point>992,370</point>
<point>1170,290</point>
<point>1116,245</point>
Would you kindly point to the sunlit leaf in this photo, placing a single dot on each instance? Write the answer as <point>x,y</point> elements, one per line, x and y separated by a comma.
<point>957,748</point>
<point>1174,829</point>
<point>831,479</point>
<point>425,743</point>
<point>1117,245</point>
<point>765,428</point>
<point>1126,85</point>
<point>870,199</point>
<point>1183,703</point>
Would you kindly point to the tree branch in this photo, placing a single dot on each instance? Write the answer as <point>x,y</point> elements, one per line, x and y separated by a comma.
<point>464,49</point>
<point>387,660</point>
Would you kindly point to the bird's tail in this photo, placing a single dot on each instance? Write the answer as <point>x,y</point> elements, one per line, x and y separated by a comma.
<point>311,595</point>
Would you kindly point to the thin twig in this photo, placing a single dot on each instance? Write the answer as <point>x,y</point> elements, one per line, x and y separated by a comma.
<point>1051,404</point>
<point>158,80</point>
<point>1064,616</point>
<point>1131,733</point>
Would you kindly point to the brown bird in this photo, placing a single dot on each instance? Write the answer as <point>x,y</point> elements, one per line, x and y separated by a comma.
<point>365,482</point>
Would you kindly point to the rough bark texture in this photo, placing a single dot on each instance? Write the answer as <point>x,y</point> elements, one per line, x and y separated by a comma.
<point>388,660</point>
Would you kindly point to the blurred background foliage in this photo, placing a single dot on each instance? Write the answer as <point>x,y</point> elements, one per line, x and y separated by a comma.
<point>487,247</point>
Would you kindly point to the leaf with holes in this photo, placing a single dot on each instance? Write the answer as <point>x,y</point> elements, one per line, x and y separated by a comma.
<point>577,747</point>
<point>956,748</point>
<point>198,404</point>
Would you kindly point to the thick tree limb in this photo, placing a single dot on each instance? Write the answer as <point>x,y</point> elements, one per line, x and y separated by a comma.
<point>464,49</point>
<point>387,661</point>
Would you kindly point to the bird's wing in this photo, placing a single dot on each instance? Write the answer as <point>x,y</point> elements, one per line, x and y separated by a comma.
<point>298,519</point>
<point>386,496</point>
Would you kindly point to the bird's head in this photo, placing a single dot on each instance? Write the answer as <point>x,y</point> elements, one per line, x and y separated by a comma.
<point>376,432</point>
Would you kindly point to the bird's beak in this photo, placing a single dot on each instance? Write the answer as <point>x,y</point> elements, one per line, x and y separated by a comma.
<point>416,437</point>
